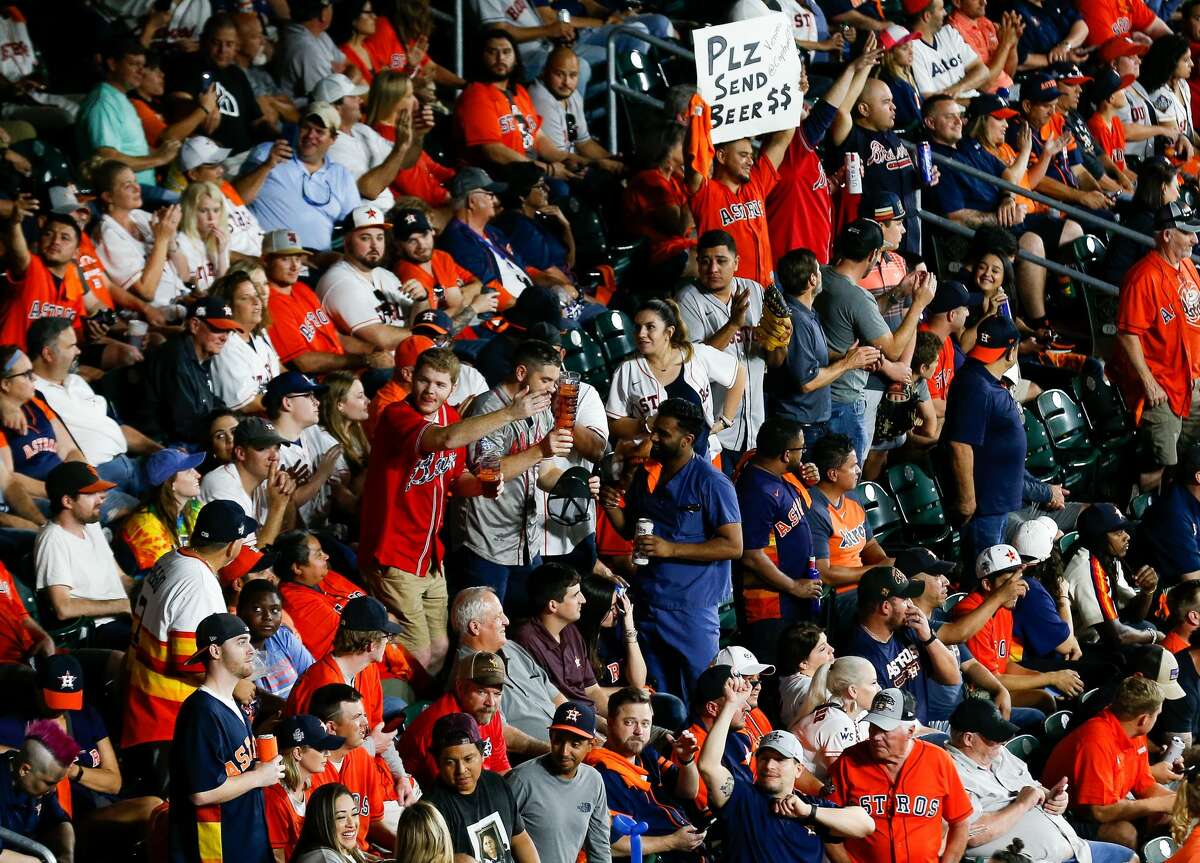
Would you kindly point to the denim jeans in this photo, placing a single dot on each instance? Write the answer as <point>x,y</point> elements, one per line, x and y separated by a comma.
<point>980,532</point>
<point>1107,852</point>
<point>129,474</point>
<point>511,583</point>
<point>850,419</point>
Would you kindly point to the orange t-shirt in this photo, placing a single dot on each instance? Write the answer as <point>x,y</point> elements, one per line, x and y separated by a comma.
<point>1173,643</point>
<point>16,641</point>
<point>990,645</point>
<point>1107,19</point>
<point>649,191</point>
<point>38,295</point>
<point>424,179</point>
<point>1101,762</point>
<point>980,34</point>
<point>943,372</point>
<point>1111,138</point>
<point>485,114</point>
<point>446,274</point>
<point>94,272</point>
<point>326,670</point>
<point>283,822</point>
<point>743,215</point>
<point>300,324</point>
<point>317,611</point>
<point>153,124</point>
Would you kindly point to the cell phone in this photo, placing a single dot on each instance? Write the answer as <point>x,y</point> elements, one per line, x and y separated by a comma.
<point>206,81</point>
<point>394,724</point>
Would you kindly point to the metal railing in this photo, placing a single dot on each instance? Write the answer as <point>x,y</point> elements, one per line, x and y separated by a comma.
<point>455,18</point>
<point>616,88</point>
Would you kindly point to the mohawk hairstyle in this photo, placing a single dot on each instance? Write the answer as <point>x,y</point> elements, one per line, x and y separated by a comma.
<point>61,746</point>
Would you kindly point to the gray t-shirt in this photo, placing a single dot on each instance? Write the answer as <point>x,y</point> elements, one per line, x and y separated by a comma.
<point>510,529</point>
<point>563,816</point>
<point>528,698</point>
<point>554,111</point>
<point>520,13</point>
<point>848,313</point>
<point>305,59</point>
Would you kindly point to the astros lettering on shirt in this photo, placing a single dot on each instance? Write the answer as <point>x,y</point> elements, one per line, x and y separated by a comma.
<point>773,519</point>
<point>840,532</point>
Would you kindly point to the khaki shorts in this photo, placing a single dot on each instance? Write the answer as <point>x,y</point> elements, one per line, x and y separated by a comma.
<point>420,602</point>
<point>1160,435</point>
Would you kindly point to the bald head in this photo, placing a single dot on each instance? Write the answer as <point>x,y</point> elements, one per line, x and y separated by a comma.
<point>875,108</point>
<point>561,73</point>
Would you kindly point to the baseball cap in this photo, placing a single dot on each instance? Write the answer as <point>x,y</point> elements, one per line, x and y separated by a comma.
<point>482,667</point>
<point>1106,83</point>
<point>217,629</point>
<point>408,222</point>
<point>1100,518</point>
<point>1034,540</point>
<point>1040,87</point>
<point>885,582</point>
<point>890,709</point>
<point>469,180</point>
<point>993,339</point>
<point>916,7</point>
<point>1121,46</point>
<point>282,242</point>
<point>63,200</point>
<point>325,114</point>
<point>367,614</point>
<point>248,560</point>
<point>216,314</point>
<point>304,729</point>
<point>165,463</point>
<point>290,384</point>
<point>950,295</point>
<point>433,322</point>
<point>222,521</point>
<point>75,477</point>
<point>366,216</point>
<point>569,502</point>
<point>1179,216</point>
<point>783,742</point>
<point>60,677</point>
<point>1069,73</point>
<point>859,239</point>
<point>258,433</point>
<point>575,717</point>
<point>996,559</point>
<point>895,36</point>
<point>411,348</point>
<point>882,206</point>
<point>990,103</point>
<point>452,729</point>
<point>980,716</point>
<point>914,561</point>
<point>200,150</point>
<point>1156,663</point>
<point>335,87</point>
<point>742,661</point>
<point>710,685</point>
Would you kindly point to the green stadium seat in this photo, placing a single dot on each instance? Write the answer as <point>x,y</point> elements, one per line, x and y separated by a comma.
<point>1139,505</point>
<point>920,502</point>
<point>613,334</point>
<point>1039,455</point>
<point>1023,746</point>
<point>1068,432</point>
<point>952,600</point>
<point>883,515</point>
<point>1159,850</point>
<point>582,355</point>
<point>1067,540</point>
<point>1057,725</point>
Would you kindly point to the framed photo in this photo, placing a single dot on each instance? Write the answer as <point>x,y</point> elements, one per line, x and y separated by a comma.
<point>489,840</point>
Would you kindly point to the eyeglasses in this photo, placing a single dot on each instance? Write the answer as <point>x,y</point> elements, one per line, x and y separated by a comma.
<point>793,449</point>
<point>321,194</point>
<point>754,684</point>
<point>28,375</point>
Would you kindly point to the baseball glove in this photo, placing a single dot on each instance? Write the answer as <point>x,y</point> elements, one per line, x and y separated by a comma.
<point>774,330</point>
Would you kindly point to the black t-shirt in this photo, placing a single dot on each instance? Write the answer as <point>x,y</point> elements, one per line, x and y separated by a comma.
<point>483,822</point>
<point>235,100</point>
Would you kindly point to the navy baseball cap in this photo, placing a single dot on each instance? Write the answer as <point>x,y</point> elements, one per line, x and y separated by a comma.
<point>216,629</point>
<point>995,336</point>
<point>216,314</point>
<point>165,463</point>
<point>367,614</point>
<point>1102,518</point>
<point>950,295</point>
<point>432,323</point>
<point>406,222</point>
<point>990,103</point>
<point>1040,87</point>
<point>306,730</point>
<point>710,685</point>
<point>886,582</point>
<point>575,717</point>
<point>913,561</point>
<point>882,206</point>
<point>222,521</point>
<point>1107,82</point>
<point>290,384</point>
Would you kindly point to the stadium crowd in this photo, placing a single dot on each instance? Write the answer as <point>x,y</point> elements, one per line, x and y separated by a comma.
<point>391,470</point>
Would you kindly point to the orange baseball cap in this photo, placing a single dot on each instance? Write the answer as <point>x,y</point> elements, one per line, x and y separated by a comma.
<point>411,348</point>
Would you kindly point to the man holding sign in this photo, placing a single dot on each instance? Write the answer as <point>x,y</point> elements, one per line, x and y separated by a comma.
<point>739,74</point>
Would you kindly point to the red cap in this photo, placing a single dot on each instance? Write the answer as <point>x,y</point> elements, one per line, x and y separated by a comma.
<point>248,560</point>
<point>411,348</point>
<point>1122,46</point>
<point>916,7</point>
<point>895,36</point>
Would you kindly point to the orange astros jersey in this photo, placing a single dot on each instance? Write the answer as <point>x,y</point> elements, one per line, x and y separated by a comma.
<point>743,215</point>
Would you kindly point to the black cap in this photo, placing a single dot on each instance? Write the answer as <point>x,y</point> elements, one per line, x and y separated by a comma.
<point>73,478</point>
<point>914,561</point>
<point>290,384</point>
<point>367,614</point>
<point>1101,518</point>
<point>305,729</point>
<point>570,500</point>
<point>981,716</point>
<point>222,521</point>
<point>990,103</point>
<point>710,685</point>
<point>1107,82</point>
<point>1179,216</point>
<point>1040,87</point>
<point>469,180</point>
<point>575,717</point>
<point>216,629</point>
<point>1189,463</point>
<point>454,729</point>
<point>216,314</point>
<point>406,222</point>
<point>950,295</point>
<point>859,240</point>
<point>433,323</point>
<point>258,433</point>
<point>881,205</point>
<point>885,582</point>
<point>536,304</point>
<point>994,338</point>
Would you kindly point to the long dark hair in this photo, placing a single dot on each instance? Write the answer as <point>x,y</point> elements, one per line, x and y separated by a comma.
<point>320,826</point>
<point>1152,175</point>
<point>345,13</point>
<point>599,595</point>
<point>1158,66</point>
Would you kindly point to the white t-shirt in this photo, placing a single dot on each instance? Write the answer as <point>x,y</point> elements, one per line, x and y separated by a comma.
<point>187,20</point>
<point>85,415</point>
<point>86,565</point>
<point>554,116</point>
<point>792,690</point>
<point>124,256</point>
<point>943,64</point>
<point>1081,591</point>
<point>242,369</point>
<point>744,10</point>
<point>471,383</point>
<point>200,269</point>
<point>519,13</point>
<point>360,150</point>
<point>804,22</point>
<point>17,57</point>
<point>637,393</point>
<point>561,538</point>
<point>354,299</point>
<point>224,483</point>
<point>308,450</point>
<point>825,734</point>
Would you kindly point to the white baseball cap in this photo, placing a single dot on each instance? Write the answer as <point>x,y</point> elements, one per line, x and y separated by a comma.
<point>1034,540</point>
<point>64,201</point>
<point>783,742</point>
<point>333,87</point>
<point>998,558</point>
<point>199,150</point>
<point>367,216</point>
<point>742,661</point>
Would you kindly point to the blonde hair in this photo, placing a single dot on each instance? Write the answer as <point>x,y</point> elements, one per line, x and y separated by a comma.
<point>189,204</point>
<point>422,835</point>
<point>350,434</point>
<point>388,90</point>
<point>833,679</point>
<point>893,69</point>
<point>1187,797</point>
<point>292,777</point>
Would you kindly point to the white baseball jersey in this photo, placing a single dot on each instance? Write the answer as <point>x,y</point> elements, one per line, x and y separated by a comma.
<point>824,734</point>
<point>354,299</point>
<point>243,369</point>
<point>17,57</point>
<point>124,256</point>
<point>942,64</point>
<point>308,451</point>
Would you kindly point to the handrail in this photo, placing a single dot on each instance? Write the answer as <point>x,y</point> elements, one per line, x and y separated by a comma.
<point>457,20</point>
<point>1052,266</point>
<point>615,88</point>
<point>25,845</point>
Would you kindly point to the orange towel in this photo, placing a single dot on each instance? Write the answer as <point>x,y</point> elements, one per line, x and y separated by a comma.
<point>700,146</point>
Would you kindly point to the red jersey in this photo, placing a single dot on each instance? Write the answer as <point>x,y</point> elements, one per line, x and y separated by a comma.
<point>317,611</point>
<point>40,294</point>
<point>649,191</point>
<point>990,645</point>
<point>410,487</point>
<point>486,114</point>
<point>909,812</point>
<point>414,745</point>
<point>299,324</point>
<point>446,273</point>
<point>1107,19</point>
<point>366,785</point>
<point>943,371</point>
<point>389,52</point>
<point>800,207</point>
<point>1110,136</point>
<point>283,821</point>
<point>743,215</point>
<point>16,641</point>
<point>326,670</point>
<point>1151,308</point>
